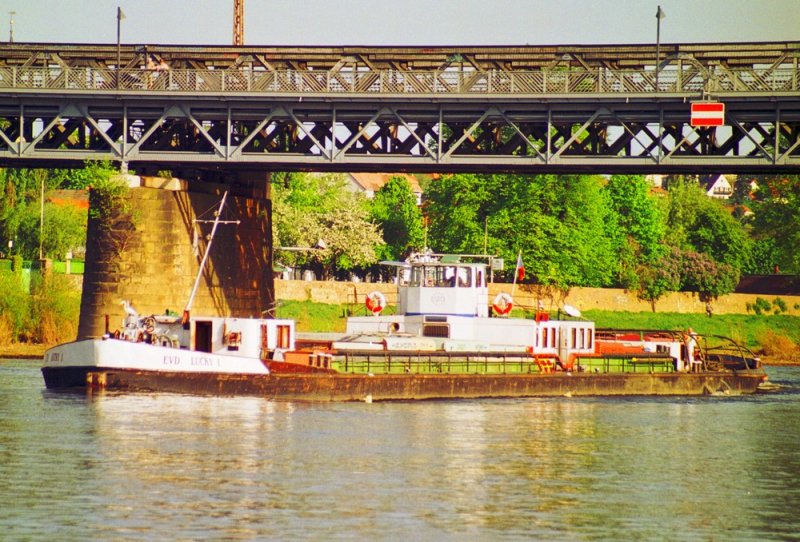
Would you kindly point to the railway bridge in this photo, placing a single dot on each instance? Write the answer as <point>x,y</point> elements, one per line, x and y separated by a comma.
<point>231,115</point>
<point>527,109</point>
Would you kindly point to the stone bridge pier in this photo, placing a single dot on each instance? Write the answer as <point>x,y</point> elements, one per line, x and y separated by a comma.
<point>150,252</point>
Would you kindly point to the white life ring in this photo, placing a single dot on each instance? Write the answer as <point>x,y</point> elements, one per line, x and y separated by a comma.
<point>502,303</point>
<point>375,302</point>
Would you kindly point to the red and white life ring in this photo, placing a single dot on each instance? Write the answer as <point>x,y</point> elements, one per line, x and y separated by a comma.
<point>502,304</point>
<point>375,302</point>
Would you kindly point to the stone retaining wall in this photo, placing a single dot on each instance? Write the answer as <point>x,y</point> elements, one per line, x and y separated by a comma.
<point>583,298</point>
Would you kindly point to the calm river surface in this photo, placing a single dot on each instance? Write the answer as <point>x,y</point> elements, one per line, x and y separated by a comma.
<point>163,466</point>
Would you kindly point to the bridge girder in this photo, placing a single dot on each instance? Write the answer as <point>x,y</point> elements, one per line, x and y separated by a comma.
<point>423,136</point>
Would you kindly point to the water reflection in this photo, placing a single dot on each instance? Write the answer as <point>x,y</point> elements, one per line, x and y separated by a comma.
<point>137,466</point>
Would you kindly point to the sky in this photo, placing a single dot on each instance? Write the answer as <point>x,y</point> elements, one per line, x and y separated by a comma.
<point>402,22</point>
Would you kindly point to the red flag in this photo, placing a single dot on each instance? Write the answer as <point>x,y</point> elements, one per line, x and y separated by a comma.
<point>520,267</point>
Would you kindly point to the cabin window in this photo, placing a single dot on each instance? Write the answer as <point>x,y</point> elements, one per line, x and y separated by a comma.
<point>574,337</point>
<point>416,277</point>
<point>464,277</point>
<point>553,337</point>
<point>284,336</point>
<point>479,282</point>
<point>590,341</point>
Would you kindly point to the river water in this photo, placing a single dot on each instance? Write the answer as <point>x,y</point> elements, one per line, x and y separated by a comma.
<point>164,466</point>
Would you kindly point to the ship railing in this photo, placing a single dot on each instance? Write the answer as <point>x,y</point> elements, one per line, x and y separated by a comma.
<point>438,362</point>
<point>355,304</point>
<point>633,363</point>
<point>420,362</point>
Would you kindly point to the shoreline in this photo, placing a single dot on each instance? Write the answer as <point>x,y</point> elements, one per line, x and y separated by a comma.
<point>36,352</point>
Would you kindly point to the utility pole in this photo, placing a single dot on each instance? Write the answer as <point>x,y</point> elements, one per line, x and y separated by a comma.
<point>238,22</point>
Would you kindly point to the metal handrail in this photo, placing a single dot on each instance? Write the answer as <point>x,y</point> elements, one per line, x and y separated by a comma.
<point>398,82</point>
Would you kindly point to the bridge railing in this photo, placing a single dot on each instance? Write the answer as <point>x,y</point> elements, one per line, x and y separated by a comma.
<point>396,82</point>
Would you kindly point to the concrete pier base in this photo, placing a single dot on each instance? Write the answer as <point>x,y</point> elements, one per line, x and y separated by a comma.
<point>152,259</point>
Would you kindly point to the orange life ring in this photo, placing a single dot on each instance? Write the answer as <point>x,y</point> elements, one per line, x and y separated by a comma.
<point>375,302</point>
<point>502,303</point>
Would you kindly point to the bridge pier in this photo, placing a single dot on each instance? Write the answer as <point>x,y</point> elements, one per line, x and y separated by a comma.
<point>152,255</point>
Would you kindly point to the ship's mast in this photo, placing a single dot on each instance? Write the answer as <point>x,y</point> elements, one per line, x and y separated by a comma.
<point>217,221</point>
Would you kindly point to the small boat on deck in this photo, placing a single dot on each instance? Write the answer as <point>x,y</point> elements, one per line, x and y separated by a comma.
<point>444,341</point>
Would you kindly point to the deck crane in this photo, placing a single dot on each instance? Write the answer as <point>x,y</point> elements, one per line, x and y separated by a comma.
<point>238,22</point>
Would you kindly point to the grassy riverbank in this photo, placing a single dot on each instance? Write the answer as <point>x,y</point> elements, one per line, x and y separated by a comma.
<point>774,336</point>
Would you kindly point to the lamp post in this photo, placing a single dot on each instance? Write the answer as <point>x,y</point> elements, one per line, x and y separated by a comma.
<point>11,26</point>
<point>120,16</point>
<point>659,15</point>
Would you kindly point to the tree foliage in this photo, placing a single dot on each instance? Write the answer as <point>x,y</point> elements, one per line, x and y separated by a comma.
<point>322,225</point>
<point>63,227</point>
<point>394,208</point>
<point>709,278</point>
<point>559,224</point>
<point>659,277</point>
<point>777,220</point>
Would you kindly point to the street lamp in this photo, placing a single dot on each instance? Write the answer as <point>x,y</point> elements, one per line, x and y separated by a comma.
<point>11,26</point>
<point>120,16</point>
<point>659,15</point>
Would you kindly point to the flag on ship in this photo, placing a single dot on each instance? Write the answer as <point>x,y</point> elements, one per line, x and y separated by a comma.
<point>520,267</point>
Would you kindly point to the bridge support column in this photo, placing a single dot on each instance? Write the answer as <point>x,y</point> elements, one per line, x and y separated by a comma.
<point>152,256</point>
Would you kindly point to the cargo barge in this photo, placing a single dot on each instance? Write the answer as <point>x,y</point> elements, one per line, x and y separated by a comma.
<point>446,340</point>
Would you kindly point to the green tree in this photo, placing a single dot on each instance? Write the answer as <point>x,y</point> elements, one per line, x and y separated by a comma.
<point>329,225</point>
<point>659,277</point>
<point>394,208</point>
<point>704,275</point>
<point>64,229</point>
<point>20,208</point>
<point>559,223</point>
<point>698,223</point>
<point>637,229</point>
<point>777,219</point>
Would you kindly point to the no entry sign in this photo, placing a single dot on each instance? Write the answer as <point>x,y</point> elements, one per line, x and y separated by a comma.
<point>708,114</point>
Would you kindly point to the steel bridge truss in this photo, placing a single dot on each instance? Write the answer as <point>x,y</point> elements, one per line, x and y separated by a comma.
<point>436,109</point>
<point>420,136</point>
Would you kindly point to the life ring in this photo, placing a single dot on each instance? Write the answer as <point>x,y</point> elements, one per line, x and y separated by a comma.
<point>375,302</point>
<point>502,303</point>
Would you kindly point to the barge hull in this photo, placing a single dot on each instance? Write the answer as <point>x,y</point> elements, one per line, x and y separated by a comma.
<point>342,387</point>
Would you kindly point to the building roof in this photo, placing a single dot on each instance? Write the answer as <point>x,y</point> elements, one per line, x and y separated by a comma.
<point>373,182</point>
<point>75,198</point>
<point>708,181</point>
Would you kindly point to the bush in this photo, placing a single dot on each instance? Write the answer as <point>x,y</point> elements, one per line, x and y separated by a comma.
<point>760,306</point>
<point>55,308</point>
<point>15,309</point>
<point>777,345</point>
<point>779,304</point>
<point>47,315</point>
